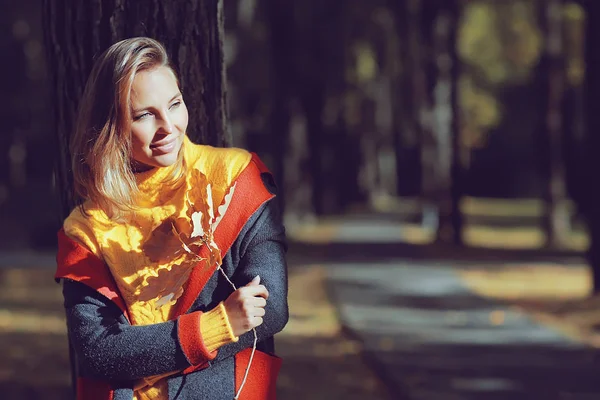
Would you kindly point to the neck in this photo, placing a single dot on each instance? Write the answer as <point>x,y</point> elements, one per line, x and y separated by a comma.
<point>138,167</point>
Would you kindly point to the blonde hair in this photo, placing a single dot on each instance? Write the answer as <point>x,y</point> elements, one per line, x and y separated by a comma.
<point>101,143</point>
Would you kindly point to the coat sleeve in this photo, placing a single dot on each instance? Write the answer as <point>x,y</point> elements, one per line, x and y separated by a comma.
<point>107,347</point>
<point>262,252</point>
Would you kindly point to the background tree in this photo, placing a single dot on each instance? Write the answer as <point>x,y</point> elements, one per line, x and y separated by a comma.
<point>76,32</point>
<point>444,119</point>
<point>551,79</point>
<point>281,27</point>
<point>590,199</point>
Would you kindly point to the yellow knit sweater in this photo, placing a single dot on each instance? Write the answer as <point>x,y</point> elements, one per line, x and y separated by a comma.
<point>132,250</point>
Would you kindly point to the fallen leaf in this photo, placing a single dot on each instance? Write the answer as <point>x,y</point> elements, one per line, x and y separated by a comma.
<point>185,235</point>
<point>162,246</point>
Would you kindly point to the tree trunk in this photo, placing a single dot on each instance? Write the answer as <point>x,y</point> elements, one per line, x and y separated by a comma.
<point>280,23</point>
<point>320,36</point>
<point>552,75</point>
<point>445,123</point>
<point>416,17</point>
<point>404,74</point>
<point>591,197</point>
<point>192,31</point>
<point>313,101</point>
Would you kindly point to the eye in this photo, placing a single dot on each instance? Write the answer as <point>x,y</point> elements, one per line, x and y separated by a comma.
<point>175,105</point>
<point>141,116</point>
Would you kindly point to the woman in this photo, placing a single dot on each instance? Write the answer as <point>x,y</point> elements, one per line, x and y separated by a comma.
<point>173,264</point>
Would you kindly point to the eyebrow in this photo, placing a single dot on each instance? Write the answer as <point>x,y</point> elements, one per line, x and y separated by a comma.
<point>145,108</point>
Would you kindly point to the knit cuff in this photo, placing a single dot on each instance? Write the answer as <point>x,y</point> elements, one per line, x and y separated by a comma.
<point>191,340</point>
<point>215,328</point>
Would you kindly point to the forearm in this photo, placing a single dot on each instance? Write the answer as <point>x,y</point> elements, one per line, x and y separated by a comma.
<point>108,348</point>
<point>265,256</point>
<point>216,331</point>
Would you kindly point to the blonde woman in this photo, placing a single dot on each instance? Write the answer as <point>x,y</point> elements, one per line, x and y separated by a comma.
<point>173,264</point>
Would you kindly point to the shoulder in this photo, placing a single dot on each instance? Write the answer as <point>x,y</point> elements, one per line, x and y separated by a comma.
<point>79,227</point>
<point>78,257</point>
<point>225,166</point>
<point>220,165</point>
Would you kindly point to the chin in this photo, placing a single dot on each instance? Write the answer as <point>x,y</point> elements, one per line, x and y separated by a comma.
<point>165,160</point>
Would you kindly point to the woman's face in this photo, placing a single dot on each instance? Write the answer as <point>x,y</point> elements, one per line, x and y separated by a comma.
<point>159,119</point>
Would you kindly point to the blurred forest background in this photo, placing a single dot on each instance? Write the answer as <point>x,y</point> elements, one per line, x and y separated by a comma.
<point>437,113</point>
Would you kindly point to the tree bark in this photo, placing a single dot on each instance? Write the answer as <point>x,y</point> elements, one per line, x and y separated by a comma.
<point>76,32</point>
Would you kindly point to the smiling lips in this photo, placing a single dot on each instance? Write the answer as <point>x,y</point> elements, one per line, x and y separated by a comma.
<point>164,146</point>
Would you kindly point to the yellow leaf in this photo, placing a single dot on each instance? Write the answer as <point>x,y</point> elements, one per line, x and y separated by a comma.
<point>175,237</point>
<point>162,246</point>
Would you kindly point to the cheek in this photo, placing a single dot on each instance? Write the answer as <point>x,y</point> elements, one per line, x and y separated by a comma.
<point>184,118</point>
<point>139,137</point>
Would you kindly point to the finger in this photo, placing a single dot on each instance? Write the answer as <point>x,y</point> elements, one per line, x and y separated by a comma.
<point>258,312</point>
<point>258,301</point>
<point>255,281</point>
<point>255,302</point>
<point>254,291</point>
<point>266,294</point>
<point>256,321</point>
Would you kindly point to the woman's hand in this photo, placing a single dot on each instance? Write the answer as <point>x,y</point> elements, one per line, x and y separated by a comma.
<point>246,306</point>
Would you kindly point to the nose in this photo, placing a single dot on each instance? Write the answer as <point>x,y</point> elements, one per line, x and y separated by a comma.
<point>167,125</point>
